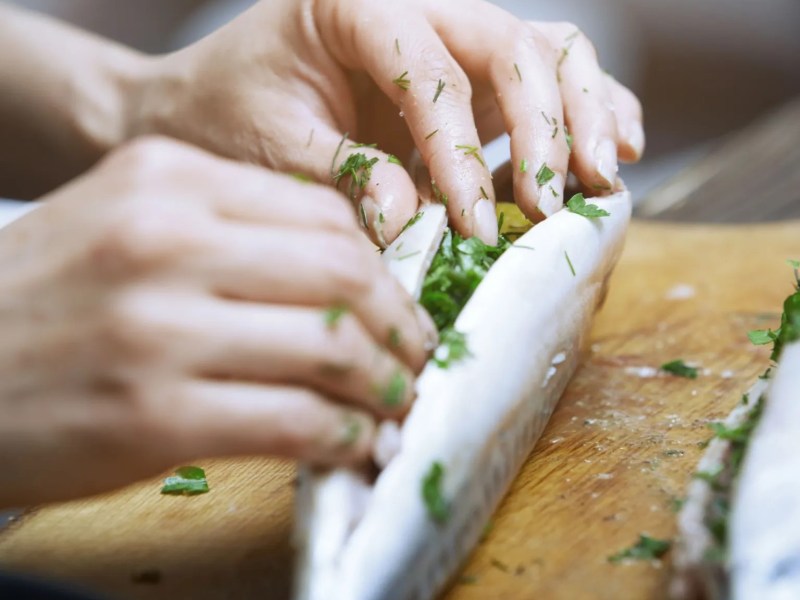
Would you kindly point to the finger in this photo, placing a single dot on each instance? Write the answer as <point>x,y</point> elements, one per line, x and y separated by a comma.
<point>314,269</point>
<point>416,71</point>
<point>628,111</point>
<point>329,351</point>
<point>521,71</point>
<point>228,418</point>
<point>588,107</point>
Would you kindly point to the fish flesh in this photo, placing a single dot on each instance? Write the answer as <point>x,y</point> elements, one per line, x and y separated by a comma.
<point>364,537</point>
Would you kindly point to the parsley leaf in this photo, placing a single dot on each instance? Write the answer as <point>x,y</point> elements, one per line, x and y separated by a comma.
<point>394,160</point>
<point>646,548</point>
<point>333,315</point>
<point>759,337</point>
<point>437,506</point>
<point>187,481</point>
<point>544,174</point>
<point>577,204</point>
<point>680,368</point>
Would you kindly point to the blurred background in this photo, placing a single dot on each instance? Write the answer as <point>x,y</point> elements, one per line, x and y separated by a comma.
<point>703,69</point>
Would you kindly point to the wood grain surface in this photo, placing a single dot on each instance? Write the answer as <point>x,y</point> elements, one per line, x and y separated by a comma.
<point>613,460</point>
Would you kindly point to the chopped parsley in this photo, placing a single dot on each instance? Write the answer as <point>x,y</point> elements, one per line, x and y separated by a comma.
<point>439,89</point>
<point>569,262</point>
<point>646,548</point>
<point>435,503</point>
<point>187,481</point>
<point>394,160</point>
<point>680,368</point>
<point>544,174</point>
<point>577,204</point>
<point>523,166</point>
<point>411,222</point>
<point>473,151</point>
<point>402,81</point>
<point>483,193</point>
<point>333,315</point>
<point>452,348</point>
<point>359,169</point>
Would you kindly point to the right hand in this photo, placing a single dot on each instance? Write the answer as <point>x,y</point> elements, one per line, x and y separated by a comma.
<point>170,305</point>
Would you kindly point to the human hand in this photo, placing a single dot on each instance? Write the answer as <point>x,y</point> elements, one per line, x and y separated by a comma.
<point>171,305</point>
<point>282,84</point>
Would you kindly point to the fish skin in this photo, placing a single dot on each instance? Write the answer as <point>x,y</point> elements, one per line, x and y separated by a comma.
<point>765,518</point>
<point>476,418</point>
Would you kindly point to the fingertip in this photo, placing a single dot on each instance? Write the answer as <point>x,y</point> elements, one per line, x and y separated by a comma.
<point>485,222</point>
<point>605,162</point>
<point>632,141</point>
<point>391,201</point>
<point>551,196</point>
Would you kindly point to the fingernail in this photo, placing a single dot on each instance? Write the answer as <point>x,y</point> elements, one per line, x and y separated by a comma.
<point>551,196</point>
<point>485,221</point>
<point>429,331</point>
<point>387,443</point>
<point>372,218</point>
<point>605,156</point>
<point>635,137</point>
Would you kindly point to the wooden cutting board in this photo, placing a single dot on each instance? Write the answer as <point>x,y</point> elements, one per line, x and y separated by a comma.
<point>611,464</point>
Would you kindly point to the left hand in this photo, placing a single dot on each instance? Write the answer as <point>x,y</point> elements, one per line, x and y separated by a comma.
<point>281,85</point>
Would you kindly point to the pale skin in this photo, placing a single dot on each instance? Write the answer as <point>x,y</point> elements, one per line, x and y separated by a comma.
<point>169,304</point>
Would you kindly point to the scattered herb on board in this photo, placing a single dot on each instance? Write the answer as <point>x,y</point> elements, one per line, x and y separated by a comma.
<point>402,81</point>
<point>359,168</point>
<point>544,174</point>
<point>333,315</point>
<point>432,495</point>
<point>439,89</point>
<point>680,368</point>
<point>646,548</point>
<point>577,204</point>
<point>473,151</point>
<point>187,481</point>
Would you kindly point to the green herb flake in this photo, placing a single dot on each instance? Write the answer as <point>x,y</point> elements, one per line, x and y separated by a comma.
<point>516,68</point>
<point>362,145</point>
<point>759,337</point>
<point>431,134</point>
<point>555,132</point>
<point>394,160</point>
<point>568,137</point>
<point>381,218</point>
<point>646,548</point>
<point>301,177</point>
<point>553,191</point>
<point>402,81</point>
<point>187,481</point>
<point>336,154</point>
<point>569,262</point>
<point>577,204</point>
<point>412,221</point>
<point>351,430</point>
<point>334,315</point>
<point>680,368</point>
<point>359,169</point>
<point>523,166</point>
<point>473,151</point>
<point>438,194</point>
<point>544,174</point>
<point>395,390</point>
<point>439,88</point>
<point>483,193</point>
<point>452,348</point>
<point>397,46</point>
<point>500,565</point>
<point>394,337</point>
<point>432,495</point>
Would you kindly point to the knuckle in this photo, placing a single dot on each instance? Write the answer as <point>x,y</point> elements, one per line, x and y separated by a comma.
<point>349,344</point>
<point>138,240</point>
<point>148,157</point>
<point>129,331</point>
<point>347,269</point>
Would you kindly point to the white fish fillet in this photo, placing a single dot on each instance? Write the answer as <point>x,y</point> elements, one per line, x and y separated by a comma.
<point>765,521</point>
<point>480,418</point>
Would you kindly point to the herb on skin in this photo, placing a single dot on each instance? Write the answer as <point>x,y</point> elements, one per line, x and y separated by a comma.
<point>359,168</point>
<point>187,481</point>
<point>361,145</point>
<point>473,151</point>
<point>553,191</point>
<point>334,315</point>
<point>381,218</point>
<point>393,394</point>
<point>336,154</point>
<point>363,212</point>
<point>523,166</point>
<point>568,136</point>
<point>351,430</point>
<point>439,89</point>
<point>431,134</point>
<point>569,262</point>
<point>432,493</point>
<point>545,117</point>
<point>397,46</point>
<point>409,255</point>
<point>394,338</point>
<point>483,193</point>
<point>516,68</point>
<point>402,81</point>
<point>570,39</point>
<point>646,548</point>
<point>301,177</point>
<point>544,174</point>
<point>555,133</point>
<point>438,194</point>
<point>680,368</point>
<point>394,160</point>
<point>577,204</point>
